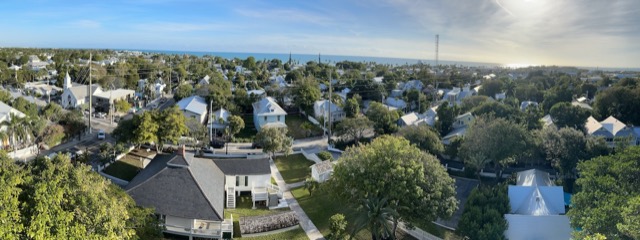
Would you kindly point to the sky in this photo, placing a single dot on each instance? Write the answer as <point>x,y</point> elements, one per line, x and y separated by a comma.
<point>593,33</point>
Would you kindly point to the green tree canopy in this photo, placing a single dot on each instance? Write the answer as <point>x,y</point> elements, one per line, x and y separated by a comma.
<point>146,130</point>
<point>274,139</point>
<point>446,115</point>
<point>236,124</point>
<point>385,120</point>
<point>52,199</point>
<point>491,87</point>
<point>353,128</point>
<point>496,139</point>
<point>424,137</point>
<point>305,93</point>
<point>566,115</point>
<point>413,182</point>
<point>607,199</point>
<point>352,108</point>
<point>483,215</point>
<point>171,126</point>
<point>183,91</point>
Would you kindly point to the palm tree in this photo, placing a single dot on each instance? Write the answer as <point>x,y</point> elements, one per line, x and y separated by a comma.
<point>477,161</point>
<point>3,137</point>
<point>376,214</point>
<point>16,129</point>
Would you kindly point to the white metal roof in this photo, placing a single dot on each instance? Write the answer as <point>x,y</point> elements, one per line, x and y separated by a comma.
<point>194,104</point>
<point>524,227</point>
<point>267,106</point>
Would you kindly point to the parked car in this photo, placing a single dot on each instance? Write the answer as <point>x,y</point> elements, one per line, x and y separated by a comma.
<point>101,135</point>
<point>216,144</point>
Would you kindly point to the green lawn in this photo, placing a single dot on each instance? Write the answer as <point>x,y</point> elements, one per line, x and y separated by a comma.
<point>295,234</point>
<point>294,168</point>
<point>321,206</point>
<point>294,123</point>
<point>128,166</point>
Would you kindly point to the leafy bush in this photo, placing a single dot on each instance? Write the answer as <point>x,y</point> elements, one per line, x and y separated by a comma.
<point>265,223</point>
<point>325,155</point>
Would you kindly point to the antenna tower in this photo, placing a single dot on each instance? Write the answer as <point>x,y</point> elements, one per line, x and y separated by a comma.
<point>437,43</point>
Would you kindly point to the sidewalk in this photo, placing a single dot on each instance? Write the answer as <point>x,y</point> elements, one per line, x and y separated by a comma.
<point>307,225</point>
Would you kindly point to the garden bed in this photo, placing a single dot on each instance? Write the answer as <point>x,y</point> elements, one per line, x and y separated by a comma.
<point>265,223</point>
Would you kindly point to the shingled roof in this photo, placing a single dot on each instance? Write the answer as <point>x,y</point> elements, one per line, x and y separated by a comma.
<point>193,191</point>
<point>243,166</point>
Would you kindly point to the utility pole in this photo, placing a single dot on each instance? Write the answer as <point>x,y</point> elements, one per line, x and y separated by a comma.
<point>330,99</point>
<point>211,121</point>
<point>90,93</point>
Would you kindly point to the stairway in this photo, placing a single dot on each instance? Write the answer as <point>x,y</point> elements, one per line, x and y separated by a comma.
<point>231,197</point>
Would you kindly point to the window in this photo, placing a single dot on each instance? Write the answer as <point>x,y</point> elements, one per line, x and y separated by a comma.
<point>265,118</point>
<point>237,181</point>
<point>278,118</point>
<point>246,181</point>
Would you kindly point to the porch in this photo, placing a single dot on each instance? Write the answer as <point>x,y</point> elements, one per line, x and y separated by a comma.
<point>269,193</point>
<point>199,228</point>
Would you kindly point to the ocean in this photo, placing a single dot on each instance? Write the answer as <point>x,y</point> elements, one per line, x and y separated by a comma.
<point>303,58</point>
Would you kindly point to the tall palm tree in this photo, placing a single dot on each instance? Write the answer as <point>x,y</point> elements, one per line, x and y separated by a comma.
<point>376,214</point>
<point>477,161</point>
<point>3,137</point>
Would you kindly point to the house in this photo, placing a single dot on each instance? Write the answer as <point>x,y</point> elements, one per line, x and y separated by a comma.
<point>220,119</point>
<point>187,193</point>
<point>104,100</point>
<point>322,108</point>
<point>537,208</point>
<point>582,104</point>
<point>279,80</point>
<point>413,84</point>
<point>409,119</point>
<point>378,79</point>
<point>252,175</point>
<point>267,112</point>
<point>396,103</point>
<point>343,94</point>
<point>204,80</point>
<point>500,96</point>
<point>460,125</point>
<point>455,95</point>
<point>322,171</point>
<point>612,130</point>
<point>6,112</point>
<point>525,104</point>
<point>159,87</point>
<point>256,92</point>
<point>547,121</point>
<point>194,107</point>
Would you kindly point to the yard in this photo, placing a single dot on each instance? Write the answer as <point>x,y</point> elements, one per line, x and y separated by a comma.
<point>299,127</point>
<point>128,166</point>
<point>321,206</point>
<point>243,209</point>
<point>294,168</point>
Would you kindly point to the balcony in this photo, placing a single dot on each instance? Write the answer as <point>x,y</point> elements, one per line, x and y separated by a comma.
<point>201,228</point>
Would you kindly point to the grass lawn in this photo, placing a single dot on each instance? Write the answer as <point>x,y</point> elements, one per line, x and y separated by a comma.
<point>128,166</point>
<point>320,207</point>
<point>295,234</point>
<point>294,121</point>
<point>243,209</point>
<point>294,168</point>
<point>249,130</point>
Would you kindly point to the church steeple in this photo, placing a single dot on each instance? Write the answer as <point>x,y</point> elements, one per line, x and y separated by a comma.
<point>67,81</point>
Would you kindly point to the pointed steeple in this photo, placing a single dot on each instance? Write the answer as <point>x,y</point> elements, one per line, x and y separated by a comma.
<point>289,58</point>
<point>319,58</point>
<point>67,81</point>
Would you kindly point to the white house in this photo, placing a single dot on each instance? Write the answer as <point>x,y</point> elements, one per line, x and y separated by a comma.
<point>6,112</point>
<point>220,119</point>
<point>204,80</point>
<point>75,96</point>
<point>396,103</point>
<point>267,112</point>
<point>248,175</point>
<point>612,130</point>
<point>194,107</point>
<point>412,84</point>
<point>460,125</point>
<point>322,171</point>
<point>537,208</point>
<point>321,111</point>
<point>409,119</point>
<point>455,95</point>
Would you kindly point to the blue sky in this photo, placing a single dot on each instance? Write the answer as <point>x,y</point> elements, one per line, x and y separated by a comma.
<point>568,32</point>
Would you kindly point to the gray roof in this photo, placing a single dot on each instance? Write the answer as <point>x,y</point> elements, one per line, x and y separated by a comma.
<point>243,166</point>
<point>80,92</point>
<point>267,106</point>
<point>195,192</point>
<point>194,104</point>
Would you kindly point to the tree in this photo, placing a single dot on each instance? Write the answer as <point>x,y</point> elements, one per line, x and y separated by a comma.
<point>491,87</point>
<point>446,115</point>
<point>337,227</point>
<point>172,126</point>
<point>385,121</point>
<point>52,199</point>
<point>53,134</point>
<point>563,148</point>
<point>305,93</point>
<point>122,106</point>
<point>183,91</point>
<point>5,96</point>
<point>483,215</point>
<point>196,130</point>
<point>274,139</point>
<point>620,102</point>
<point>608,195</point>
<point>126,130</point>
<point>52,112</point>
<point>424,137</point>
<point>420,189</point>
<point>311,185</point>
<point>566,115</point>
<point>353,128</point>
<point>28,108</point>
<point>497,139</point>
<point>236,124</point>
<point>376,215</point>
<point>146,130</point>
<point>352,108</point>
